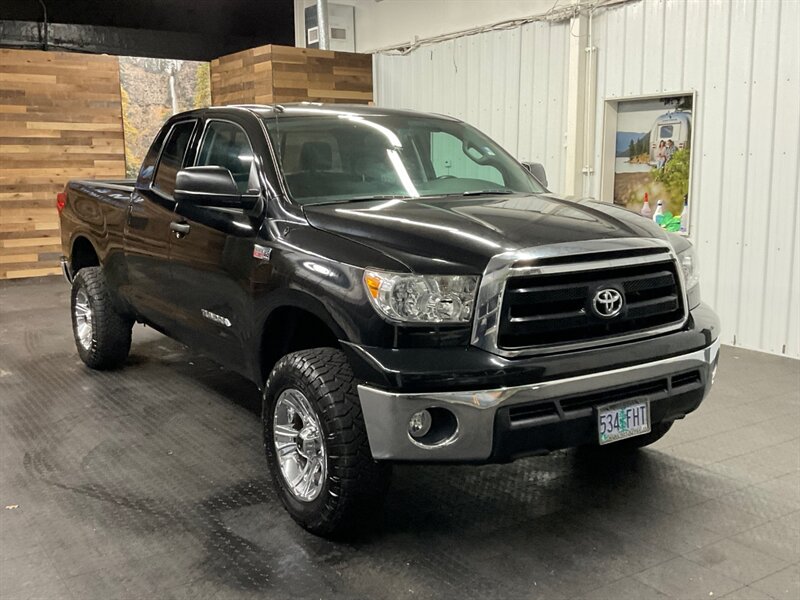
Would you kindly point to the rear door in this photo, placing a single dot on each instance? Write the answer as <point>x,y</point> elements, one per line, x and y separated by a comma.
<point>213,260</point>
<point>147,230</point>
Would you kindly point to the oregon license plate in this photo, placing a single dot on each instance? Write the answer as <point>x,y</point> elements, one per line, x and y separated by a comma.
<point>622,420</point>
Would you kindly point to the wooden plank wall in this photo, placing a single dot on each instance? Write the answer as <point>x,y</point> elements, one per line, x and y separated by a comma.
<point>60,119</point>
<point>270,74</point>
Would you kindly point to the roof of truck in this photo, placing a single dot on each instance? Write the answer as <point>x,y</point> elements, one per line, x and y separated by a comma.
<point>307,109</point>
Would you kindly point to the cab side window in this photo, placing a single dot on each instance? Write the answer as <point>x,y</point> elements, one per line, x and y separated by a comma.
<point>225,144</point>
<point>172,156</point>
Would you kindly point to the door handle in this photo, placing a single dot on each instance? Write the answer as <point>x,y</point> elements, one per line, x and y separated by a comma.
<point>180,229</point>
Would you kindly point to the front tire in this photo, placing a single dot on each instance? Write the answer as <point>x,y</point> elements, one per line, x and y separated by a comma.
<point>316,443</point>
<point>102,335</point>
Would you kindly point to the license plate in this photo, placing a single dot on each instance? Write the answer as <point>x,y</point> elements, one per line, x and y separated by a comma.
<point>622,420</point>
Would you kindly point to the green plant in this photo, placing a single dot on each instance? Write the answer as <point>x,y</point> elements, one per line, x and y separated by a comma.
<point>675,174</point>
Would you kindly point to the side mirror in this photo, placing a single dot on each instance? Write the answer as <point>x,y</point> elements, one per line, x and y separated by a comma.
<point>212,186</point>
<point>537,170</point>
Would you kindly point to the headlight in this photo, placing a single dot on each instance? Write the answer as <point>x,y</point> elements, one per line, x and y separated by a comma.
<point>691,275</point>
<point>422,298</point>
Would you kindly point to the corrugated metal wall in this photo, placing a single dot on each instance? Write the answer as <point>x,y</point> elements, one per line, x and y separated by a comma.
<point>509,84</point>
<point>743,59</point>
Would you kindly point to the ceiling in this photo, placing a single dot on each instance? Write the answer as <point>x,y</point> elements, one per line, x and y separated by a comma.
<point>268,21</point>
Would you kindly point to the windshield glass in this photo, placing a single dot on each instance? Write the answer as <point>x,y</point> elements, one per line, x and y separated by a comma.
<point>340,156</point>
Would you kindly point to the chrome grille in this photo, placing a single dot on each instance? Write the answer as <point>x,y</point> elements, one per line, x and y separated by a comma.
<point>552,309</point>
<point>534,301</point>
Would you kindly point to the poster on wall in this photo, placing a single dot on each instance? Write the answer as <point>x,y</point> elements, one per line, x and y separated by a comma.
<point>152,90</point>
<point>652,162</point>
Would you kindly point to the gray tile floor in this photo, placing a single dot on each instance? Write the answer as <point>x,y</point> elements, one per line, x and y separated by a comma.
<point>150,483</point>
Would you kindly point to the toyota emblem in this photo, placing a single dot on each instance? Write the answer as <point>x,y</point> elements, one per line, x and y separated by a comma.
<point>607,303</point>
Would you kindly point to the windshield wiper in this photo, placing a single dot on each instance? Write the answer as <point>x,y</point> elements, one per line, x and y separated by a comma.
<point>486,192</point>
<point>365,199</point>
<point>378,197</point>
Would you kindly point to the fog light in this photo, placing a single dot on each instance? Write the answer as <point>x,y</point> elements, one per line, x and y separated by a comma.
<point>419,424</point>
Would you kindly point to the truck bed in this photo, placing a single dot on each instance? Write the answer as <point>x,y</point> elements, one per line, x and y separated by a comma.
<point>122,185</point>
<point>95,209</point>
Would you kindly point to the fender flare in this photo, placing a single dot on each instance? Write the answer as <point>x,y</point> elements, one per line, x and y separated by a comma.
<point>285,298</point>
<point>75,237</point>
<point>294,298</point>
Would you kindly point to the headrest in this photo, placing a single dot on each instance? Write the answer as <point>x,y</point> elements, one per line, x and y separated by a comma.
<point>316,156</point>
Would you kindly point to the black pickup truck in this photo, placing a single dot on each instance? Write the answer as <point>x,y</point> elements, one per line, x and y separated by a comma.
<point>400,287</point>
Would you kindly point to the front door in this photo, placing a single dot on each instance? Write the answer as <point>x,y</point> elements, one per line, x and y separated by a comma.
<point>212,259</point>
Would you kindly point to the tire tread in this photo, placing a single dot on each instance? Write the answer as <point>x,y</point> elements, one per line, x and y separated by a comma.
<point>111,331</point>
<point>357,482</point>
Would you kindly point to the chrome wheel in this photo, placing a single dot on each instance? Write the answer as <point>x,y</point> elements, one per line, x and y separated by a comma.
<point>83,319</point>
<point>299,445</point>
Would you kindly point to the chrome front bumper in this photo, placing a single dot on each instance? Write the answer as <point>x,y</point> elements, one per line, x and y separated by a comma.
<point>387,414</point>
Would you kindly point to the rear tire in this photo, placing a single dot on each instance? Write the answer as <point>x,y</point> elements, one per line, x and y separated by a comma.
<point>102,335</point>
<point>314,391</point>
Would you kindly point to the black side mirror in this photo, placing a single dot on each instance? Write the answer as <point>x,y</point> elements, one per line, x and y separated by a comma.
<point>537,170</point>
<point>212,186</point>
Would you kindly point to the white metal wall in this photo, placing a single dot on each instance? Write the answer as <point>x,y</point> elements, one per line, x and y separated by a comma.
<point>509,84</point>
<point>743,59</point>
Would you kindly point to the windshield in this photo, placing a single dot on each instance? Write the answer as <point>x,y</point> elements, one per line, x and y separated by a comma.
<point>341,156</point>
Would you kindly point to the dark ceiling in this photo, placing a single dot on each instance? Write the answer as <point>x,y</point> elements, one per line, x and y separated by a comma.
<point>240,22</point>
<point>271,20</point>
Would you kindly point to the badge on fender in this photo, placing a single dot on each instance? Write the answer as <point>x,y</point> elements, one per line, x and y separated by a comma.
<point>215,317</point>
<point>261,252</point>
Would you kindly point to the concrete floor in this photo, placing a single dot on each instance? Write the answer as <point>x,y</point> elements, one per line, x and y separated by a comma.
<point>150,483</point>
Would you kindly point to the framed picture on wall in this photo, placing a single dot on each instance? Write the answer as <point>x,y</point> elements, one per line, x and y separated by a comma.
<point>647,152</point>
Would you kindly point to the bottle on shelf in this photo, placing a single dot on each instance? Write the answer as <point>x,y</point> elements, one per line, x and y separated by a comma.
<point>646,212</point>
<point>685,215</point>
<point>659,211</point>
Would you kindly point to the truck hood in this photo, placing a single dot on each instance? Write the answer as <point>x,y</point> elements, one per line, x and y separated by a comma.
<point>459,235</point>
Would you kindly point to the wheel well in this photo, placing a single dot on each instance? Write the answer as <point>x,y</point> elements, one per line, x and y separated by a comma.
<point>83,255</point>
<point>289,329</point>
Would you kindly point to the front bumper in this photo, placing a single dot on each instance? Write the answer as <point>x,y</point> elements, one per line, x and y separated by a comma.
<point>558,413</point>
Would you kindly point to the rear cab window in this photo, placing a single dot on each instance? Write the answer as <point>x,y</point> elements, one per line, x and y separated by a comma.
<point>172,156</point>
